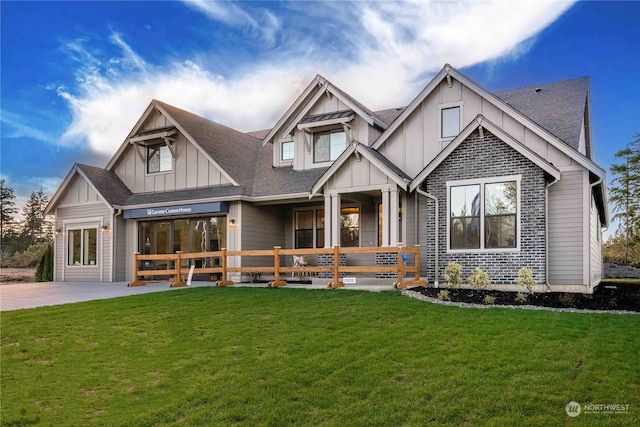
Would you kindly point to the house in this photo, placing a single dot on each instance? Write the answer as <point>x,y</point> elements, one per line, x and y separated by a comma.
<point>500,180</point>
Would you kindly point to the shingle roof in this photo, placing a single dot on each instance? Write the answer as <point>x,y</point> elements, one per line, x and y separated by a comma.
<point>183,195</point>
<point>107,183</point>
<point>388,163</point>
<point>234,151</point>
<point>270,181</point>
<point>389,115</point>
<point>558,107</point>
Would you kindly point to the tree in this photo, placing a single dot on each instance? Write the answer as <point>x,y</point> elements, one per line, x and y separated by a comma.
<point>36,227</point>
<point>624,194</point>
<point>8,208</point>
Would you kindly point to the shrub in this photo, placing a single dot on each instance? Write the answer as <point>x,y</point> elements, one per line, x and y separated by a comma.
<point>479,279</point>
<point>443,295</point>
<point>525,279</point>
<point>489,299</point>
<point>453,274</point>
<point>521,297</point>
<point>44,269</point>
<point>566,299</point>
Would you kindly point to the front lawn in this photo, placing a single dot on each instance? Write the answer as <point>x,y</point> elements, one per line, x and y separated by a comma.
<point>248,356</point>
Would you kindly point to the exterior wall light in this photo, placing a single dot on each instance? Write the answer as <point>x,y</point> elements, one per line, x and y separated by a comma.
<point>59,232</point>
<point>233,223</point>
<point>105,229</point>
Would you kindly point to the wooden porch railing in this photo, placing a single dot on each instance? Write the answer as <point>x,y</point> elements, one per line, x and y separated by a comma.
<point>276,269</point>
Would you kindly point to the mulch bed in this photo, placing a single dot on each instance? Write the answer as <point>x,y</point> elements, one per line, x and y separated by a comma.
<point>609,296</point>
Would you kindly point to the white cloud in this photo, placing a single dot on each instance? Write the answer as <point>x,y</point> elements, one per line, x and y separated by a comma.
<point>390,47</point>
<point>14,127</point>
<point>268,25</point>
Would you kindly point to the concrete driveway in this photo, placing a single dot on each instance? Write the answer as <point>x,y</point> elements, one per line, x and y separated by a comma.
<point>29,295</point>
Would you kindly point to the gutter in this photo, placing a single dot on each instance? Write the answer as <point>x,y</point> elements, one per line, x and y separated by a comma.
<point>437,210</point>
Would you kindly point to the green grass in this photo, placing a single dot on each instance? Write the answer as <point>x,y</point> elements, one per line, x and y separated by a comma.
<point>241,356</point>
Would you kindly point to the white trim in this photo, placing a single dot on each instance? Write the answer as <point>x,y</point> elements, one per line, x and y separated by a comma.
<point>482,182</point>
<point>76,205</point>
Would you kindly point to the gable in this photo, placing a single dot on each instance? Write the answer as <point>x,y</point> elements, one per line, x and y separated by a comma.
<point>358,168</point>
<point>78,191</point>
<point>191,167</point>
<point>417,129</point>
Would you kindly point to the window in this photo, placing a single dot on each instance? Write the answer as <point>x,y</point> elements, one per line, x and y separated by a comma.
<point>310,223</point>
<point>287,150</point>
<point>484,215</point>
<point>350,227</point>
<point>450,122</point>
<point>465,217</point>
<point>83,246</point>
<point>327,146</point>
<point>159,158</point>
<point>500,215</point>
<point>304,229</point>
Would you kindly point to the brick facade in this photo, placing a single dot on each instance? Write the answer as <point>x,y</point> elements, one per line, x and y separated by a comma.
<point>477,158</point>
<point>326,260</point>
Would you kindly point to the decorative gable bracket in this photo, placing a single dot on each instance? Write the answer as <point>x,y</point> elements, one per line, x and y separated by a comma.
<point>150,137</point>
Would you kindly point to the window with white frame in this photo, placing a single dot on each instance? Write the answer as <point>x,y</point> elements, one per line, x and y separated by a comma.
<point>450,122</point>
<point>82,246</point>
<point>159,158</point>
<point>327,146</point>
<point>287,150</point>
<point>484,215</point>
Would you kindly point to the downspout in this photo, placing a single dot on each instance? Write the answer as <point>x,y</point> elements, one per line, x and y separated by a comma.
<point>437,210</point>
<point>546,233</point>
<point>113,245</point>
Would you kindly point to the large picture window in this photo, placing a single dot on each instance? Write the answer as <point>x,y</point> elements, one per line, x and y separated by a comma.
<point>159,158</point>
<point>327,146</point>
<point>483,215</point>
<point>83,247</point>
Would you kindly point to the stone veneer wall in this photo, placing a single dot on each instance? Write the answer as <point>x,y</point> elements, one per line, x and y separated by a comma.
<point>477,158</point>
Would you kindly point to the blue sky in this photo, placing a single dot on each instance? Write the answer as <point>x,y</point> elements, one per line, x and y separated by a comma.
<point>76,76</point>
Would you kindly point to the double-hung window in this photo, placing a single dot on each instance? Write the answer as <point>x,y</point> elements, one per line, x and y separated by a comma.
<point>159,158</point>
<point>83,246</point>
<point>327,146</point>
<point>484,215</point>
<point>288,150</point>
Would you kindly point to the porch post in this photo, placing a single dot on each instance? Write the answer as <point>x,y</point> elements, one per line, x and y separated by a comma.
<point>385,217</point>
<point>335,219</point>
<point>327,220</point>
<point>393,217</point>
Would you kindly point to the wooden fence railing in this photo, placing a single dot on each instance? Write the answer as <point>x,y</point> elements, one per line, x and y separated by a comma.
<point>276,269</point>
